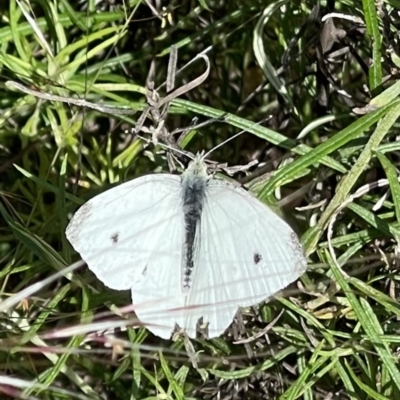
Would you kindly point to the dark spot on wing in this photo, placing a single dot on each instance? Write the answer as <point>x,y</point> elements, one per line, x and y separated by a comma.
<point>144,272</point>
<point>257,258</point>
<point>114,238</point>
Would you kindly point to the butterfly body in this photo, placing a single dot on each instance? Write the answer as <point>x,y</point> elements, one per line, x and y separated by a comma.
<point>194,184</point>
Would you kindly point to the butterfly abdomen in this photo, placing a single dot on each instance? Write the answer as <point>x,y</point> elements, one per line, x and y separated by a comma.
<point>193,195</point>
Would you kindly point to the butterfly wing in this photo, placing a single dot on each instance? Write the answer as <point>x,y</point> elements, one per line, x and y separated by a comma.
<point>246,254</point>
<point>119,232</point>
<point>132,237</point>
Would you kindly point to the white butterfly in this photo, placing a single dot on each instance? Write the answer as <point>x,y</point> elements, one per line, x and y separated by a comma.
<point>190,248</point>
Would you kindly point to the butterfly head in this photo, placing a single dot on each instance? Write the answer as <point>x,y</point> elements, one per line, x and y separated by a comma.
<point>197,167</point>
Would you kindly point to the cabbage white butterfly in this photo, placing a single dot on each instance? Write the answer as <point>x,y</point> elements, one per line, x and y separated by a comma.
<point>192,249</point>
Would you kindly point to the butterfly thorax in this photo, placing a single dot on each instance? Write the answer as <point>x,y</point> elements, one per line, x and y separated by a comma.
<point>194,183</point>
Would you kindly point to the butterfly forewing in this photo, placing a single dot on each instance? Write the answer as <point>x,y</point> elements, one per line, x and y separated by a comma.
<point>246,254</point>
<point>119,231</point>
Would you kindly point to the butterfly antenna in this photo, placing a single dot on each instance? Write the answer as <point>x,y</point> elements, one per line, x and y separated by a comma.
<point>232,137</point>
<point>224,142</point>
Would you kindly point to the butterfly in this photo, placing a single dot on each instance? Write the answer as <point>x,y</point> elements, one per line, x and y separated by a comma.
<point>192,249</point>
